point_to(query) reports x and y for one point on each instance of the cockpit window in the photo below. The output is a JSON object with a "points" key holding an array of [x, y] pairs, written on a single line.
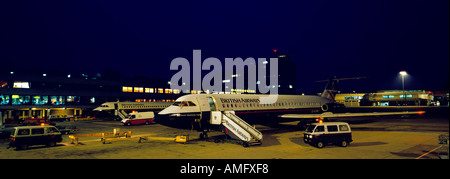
{"points": [[184, 103]]}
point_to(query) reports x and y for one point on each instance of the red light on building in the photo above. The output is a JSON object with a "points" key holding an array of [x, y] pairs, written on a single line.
{"points": [[274, 50]]}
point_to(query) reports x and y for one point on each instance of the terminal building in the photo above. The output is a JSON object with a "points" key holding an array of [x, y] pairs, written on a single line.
{"points": [[387, 98], [38, 94]]}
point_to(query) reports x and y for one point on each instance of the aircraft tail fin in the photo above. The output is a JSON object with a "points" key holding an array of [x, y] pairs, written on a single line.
{"points": [[331, 89], [332, 86]]}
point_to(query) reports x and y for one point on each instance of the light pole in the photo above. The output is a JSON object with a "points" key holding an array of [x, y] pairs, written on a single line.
{"points": [[403, 73]]}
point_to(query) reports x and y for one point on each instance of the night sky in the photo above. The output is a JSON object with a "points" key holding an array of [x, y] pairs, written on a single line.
{"points": [[376, 39]]}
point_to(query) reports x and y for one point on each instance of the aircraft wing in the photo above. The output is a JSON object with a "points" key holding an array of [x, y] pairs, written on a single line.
{"points": [[336, 115]]}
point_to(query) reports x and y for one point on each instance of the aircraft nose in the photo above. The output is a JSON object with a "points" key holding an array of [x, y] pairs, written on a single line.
{"points": [[163, 116], [164, 112], [173, 120]]}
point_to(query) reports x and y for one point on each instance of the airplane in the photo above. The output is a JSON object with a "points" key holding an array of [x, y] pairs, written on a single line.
{"points": [[196, 111], [122, 109], [132, 106]]}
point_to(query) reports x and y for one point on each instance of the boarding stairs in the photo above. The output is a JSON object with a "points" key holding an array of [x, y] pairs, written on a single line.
{"points": [[122, 114], [237, 128]]}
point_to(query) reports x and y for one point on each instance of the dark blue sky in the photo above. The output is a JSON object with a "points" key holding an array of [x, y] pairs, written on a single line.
{"points": [[376, 39]]}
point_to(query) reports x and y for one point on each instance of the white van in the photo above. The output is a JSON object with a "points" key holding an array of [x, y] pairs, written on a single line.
{"points": [[24, 136], [320, 134], [139, 118]]}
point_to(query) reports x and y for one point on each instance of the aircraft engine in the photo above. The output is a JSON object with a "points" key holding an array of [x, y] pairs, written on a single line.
{"points": [[332, 107]]}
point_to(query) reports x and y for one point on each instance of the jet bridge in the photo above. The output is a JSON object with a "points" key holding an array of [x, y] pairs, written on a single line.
{"points": [[236, 128]]}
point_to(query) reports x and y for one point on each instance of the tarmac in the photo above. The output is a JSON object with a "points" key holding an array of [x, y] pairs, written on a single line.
{"points": [[374, 138]]}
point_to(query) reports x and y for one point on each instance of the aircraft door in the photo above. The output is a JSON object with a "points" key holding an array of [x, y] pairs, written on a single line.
{"points": [[116, 107], [212, 105], [215, 116]]}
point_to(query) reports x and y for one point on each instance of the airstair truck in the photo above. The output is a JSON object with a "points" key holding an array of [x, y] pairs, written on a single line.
{"points": [[237, 128]]}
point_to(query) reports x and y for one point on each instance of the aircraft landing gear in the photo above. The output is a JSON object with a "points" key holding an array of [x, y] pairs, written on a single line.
{"points": [[203, 135]]}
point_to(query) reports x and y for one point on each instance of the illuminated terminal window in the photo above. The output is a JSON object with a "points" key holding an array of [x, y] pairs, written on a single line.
{"points": [[160, 90], [193, 92], [73, 99], [168, 91], [176, 91], [57, 100], [70, 99], [4, 99], [407, 96], [138, 89], [149, 90], [19, 99], [39, 100], [21, 85], [360, 97], [388, 96], [127, 89]]}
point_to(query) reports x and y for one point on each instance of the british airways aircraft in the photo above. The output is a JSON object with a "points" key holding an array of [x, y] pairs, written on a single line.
{"points": [[194, 111]]}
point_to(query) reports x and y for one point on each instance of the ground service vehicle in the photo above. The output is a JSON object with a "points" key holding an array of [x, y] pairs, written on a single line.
{"points": [[22, 137], [323, 133], [139, 118], [59, 118], [36, 122]]}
